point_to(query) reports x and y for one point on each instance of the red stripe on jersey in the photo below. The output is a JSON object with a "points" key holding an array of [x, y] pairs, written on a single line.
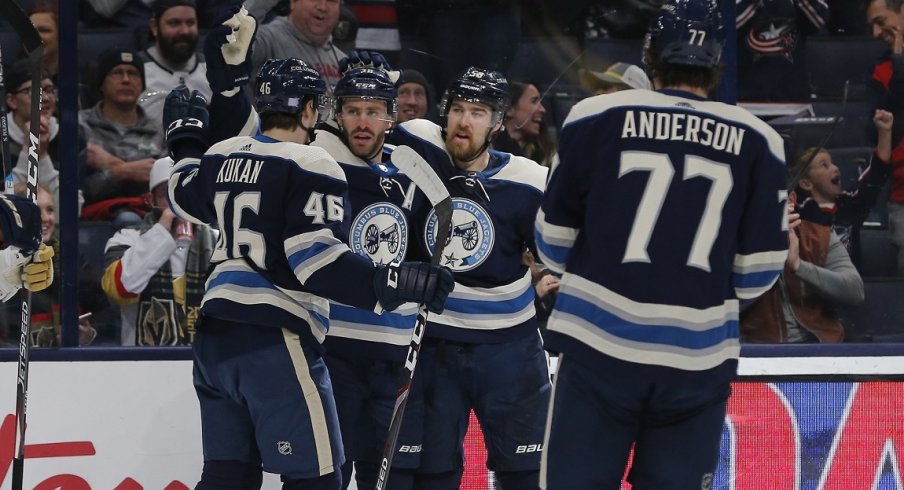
{"points": [[117, 279]]}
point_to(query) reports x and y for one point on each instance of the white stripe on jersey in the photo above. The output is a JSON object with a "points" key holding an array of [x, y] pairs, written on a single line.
{"points": [[650, 100], [484, 321], [319, 427], [758, 262], [299, 244], [524, 171], [643, 352], [694, 319], [370, 333]]}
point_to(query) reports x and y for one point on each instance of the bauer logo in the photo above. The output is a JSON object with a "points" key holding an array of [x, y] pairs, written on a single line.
{"points": [[284, 448], [405, 448], [380, 232], [470, 239], [529, 448]]}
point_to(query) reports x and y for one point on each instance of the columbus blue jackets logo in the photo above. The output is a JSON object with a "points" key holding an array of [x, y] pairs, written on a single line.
{"points": [[380, 232], [470, 240]]}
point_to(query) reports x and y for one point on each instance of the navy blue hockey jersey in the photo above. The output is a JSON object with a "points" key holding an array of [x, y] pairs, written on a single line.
{"points": [[282, 251], [662, 211], [492, 224], [382, 201]]}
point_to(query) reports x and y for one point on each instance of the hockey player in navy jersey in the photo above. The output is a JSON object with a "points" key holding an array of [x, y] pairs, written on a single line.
{"points": [[484, 352], [366, 352], [264, 390], [663, 212]]}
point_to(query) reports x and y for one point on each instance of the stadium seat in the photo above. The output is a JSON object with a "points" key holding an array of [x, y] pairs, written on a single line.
{"points": [[834, 59], [873, 253], [881, 317]]}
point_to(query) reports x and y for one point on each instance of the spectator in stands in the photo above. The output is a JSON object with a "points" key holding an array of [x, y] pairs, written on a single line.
{"points": [[819, 275], [156, 271], [43, 15], [414, 95], [18, 101], [103, 14], [305, 33], [885, 90], [618, 76], [122, 142], [172, 59], [526, 133], [771, 38]]}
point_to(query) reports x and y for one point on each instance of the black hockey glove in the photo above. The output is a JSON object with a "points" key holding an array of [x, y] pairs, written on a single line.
{"points": [[186, 120], [20, 220], [227, 50], [368, 59], [415, 282]]}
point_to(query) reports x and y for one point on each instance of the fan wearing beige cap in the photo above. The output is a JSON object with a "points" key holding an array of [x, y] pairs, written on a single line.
{"points": [[619, 76], [156, 271]]}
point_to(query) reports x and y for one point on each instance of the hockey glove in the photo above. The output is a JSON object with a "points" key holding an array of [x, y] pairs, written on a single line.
{"points": [[186, 120], [20, 220], [415, 282], [227, 50], [368, 59], [37, 274]]}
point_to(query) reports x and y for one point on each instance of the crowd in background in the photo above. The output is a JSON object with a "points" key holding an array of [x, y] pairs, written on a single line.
{"points": [[133, 296]]}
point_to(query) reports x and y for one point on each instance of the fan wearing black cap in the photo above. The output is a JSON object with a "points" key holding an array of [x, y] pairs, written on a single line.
{"points": [[123, 141], [172, 59]]}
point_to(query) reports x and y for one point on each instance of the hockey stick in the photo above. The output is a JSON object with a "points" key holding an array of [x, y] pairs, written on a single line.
{"points": [[420, 172], [31, 41]]}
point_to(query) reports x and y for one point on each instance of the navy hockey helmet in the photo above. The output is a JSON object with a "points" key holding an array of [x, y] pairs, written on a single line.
{"points": [[687, 32], [481, 86], [367, 83], [283, 84]]}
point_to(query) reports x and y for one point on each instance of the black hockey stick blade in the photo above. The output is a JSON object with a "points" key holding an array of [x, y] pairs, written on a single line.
{"points": [[420, 172], [31, 41]]}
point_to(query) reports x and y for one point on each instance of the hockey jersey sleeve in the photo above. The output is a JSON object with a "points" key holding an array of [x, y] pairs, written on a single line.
{"points": [[763, 229], [561, 212], [132, 259], [184, 191], [315, 242]]}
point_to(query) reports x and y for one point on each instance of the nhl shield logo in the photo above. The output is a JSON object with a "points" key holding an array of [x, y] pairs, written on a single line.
{"points": [[380, 232], [470, 240], [284, 448], [706, 483]]}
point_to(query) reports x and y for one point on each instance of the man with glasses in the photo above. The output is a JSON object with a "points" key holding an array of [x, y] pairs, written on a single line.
{"points": [[18, 101], [123, 142]]}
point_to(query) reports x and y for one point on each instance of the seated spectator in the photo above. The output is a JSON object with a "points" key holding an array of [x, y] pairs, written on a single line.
{"points": [[43, 15], [172, 59], [156, 271], [414, 95], [122, 142], [18, 101], [619, 76], [819, 275], [526, 132], [45, 305]]}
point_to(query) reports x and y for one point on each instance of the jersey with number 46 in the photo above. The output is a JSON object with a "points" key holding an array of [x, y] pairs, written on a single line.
{"points": [[282, 248], [663, 211]]}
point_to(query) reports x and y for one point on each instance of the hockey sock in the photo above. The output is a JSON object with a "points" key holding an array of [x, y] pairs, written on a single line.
{"points": [[333, 481], [518, 480], [225, 475]]}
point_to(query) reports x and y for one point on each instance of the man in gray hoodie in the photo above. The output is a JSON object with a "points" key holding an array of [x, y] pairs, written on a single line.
{"points": [[305, 33]]}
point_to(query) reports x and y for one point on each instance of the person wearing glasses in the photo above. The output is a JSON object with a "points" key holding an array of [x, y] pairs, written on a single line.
{"points": [[18, 103], [123, 142]]}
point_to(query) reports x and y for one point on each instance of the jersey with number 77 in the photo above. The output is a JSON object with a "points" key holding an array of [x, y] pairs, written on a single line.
{"points": [[281, 252], [663, 211]]}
